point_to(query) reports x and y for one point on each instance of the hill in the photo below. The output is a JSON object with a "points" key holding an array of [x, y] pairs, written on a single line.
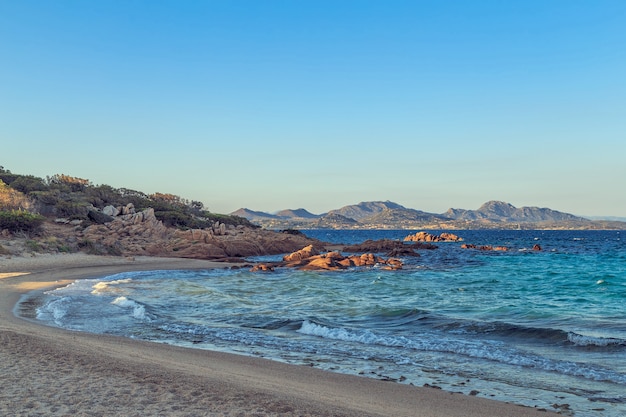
{"points": [[297, 214], [390, 215], [69, 214], [365, 209], [499, 211]]}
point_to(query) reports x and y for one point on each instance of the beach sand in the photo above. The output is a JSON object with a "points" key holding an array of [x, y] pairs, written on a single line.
{"points": [[52, 372]]}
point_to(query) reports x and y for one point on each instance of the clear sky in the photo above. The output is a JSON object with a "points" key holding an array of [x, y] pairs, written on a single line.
{"points": [[319, 104]]}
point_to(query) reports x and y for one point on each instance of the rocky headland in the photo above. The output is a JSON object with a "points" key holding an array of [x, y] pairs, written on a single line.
{"points": [[139, 233]]}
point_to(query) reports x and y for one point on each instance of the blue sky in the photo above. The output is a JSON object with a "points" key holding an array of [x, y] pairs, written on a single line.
{"points": [[319, 104]]}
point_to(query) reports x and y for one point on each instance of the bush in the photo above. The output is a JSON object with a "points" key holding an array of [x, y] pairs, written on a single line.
{"points": [[28, 183], [173, 218], [20, 221], [11, 199], [228, 219], [34, 246], [71, 209]]}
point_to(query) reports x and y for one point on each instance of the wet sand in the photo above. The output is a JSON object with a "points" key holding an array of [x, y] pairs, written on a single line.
{"points": [[52, 372]]}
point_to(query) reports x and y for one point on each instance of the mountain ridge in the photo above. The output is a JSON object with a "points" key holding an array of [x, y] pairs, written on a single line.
{"points": [[492, 214]]}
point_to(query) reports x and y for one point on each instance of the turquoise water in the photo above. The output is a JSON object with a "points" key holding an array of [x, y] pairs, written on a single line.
{"points": [[545, 329]]}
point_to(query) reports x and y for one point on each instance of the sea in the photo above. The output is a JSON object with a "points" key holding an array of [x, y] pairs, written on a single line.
{"points": [[544, 329]]}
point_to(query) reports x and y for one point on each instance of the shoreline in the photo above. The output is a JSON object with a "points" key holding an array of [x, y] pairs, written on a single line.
{"points": [[89, 374]]}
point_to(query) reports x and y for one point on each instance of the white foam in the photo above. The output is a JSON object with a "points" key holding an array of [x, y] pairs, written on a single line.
{"points": [[581, 340], [105, 286], [55, 310], [138, 310]]}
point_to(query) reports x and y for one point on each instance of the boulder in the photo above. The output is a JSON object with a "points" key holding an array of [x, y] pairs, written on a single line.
{"points": [[110, 211], [127, 209], [98, 217], [428, 237], [301, 254], [309, 260], [402, 252]]}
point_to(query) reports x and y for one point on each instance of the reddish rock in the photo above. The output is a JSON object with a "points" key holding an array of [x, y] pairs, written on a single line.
{"points": [[262, 267], [141, 233], [334, 261], [301, 254], [428, 237]]}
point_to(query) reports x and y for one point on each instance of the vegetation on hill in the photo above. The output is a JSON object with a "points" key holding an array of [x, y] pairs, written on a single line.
{"points": [[26, 201]]}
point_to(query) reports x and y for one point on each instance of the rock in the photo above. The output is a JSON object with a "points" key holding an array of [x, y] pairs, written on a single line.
{"points": [[303, 253], [536, 247], [449, 237], [219, 229], [262, 267], [321, 262], [127, 209], [402, 252], [428, 237], [98, 217], [110, 211], [307, 259], [142, 234]]}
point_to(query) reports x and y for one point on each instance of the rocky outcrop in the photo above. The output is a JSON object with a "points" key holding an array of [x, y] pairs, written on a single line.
{"points": [[141, 233], [304, 253], [428, 237], [133, 234], [308, 259]]}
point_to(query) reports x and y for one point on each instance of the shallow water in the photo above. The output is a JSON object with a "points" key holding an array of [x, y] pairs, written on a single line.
{"points": [[545, 329]]}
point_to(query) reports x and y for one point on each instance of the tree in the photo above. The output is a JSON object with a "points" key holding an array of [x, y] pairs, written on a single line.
{"points": [[73, 183]]}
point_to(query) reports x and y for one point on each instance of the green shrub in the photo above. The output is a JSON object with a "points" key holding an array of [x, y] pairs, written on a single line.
{"points": [[72, 209], [20, 221], [90, 247], [173, 218], [28, 183], [228, 219], [33, 246]]}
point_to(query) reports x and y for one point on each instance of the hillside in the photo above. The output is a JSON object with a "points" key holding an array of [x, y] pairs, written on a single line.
{"points": [[69, 214]]}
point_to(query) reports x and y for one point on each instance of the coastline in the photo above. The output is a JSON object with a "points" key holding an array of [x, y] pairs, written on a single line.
{"points": [[89, 374]]}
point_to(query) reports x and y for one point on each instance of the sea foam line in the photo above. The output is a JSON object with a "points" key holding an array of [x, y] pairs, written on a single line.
{"points": [[489, 350]]}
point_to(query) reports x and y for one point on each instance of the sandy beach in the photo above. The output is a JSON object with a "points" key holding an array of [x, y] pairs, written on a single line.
{"points": [[51, 372]]}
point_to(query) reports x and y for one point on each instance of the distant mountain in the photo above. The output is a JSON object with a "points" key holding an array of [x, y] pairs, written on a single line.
{"points": [[402, 215], [334, 221], [390, 215], [297, 214], [499, 211], [365, 209], [253, 215]]}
